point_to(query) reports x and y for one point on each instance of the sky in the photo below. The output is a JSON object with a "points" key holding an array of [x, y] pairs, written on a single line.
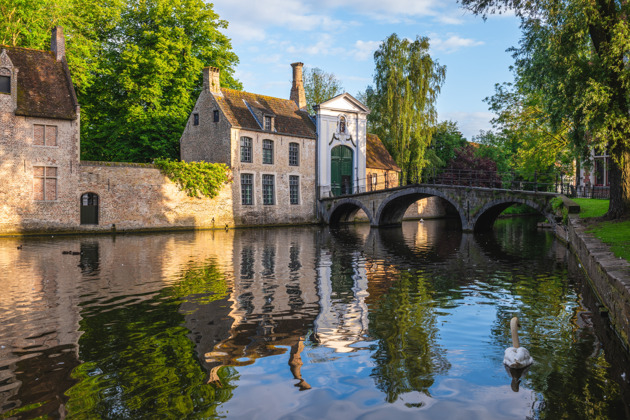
{"points": [[340, 37]]}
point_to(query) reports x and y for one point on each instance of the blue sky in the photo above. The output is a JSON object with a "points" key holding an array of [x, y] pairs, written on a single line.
{"points": [[341, 36]]}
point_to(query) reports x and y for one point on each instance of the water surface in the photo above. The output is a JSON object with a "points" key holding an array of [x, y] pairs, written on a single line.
{"points": [[303, 323]]}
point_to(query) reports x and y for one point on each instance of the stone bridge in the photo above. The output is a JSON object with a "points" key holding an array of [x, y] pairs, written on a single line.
{"points": [[476, 207]]}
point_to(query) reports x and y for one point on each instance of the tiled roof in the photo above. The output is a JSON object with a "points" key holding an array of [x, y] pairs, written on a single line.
{"points": [[44, 88], [288, 118], [377, 155]]}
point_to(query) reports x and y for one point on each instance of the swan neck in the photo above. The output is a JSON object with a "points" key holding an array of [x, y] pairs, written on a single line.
{"points": [[514, 330]]}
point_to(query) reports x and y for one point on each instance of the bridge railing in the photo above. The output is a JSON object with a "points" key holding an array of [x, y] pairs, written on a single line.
{"points": [[538, 182]]}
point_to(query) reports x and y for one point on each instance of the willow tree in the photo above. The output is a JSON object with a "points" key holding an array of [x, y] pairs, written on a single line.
{"points": [[574, 52], [407, 83]]}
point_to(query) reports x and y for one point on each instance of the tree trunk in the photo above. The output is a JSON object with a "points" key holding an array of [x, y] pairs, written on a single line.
{"points": [[619, 182]]}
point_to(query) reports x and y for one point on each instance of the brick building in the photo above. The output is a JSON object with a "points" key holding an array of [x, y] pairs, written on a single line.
{"points": [[269, 143], [39, 137], [282, 159]]}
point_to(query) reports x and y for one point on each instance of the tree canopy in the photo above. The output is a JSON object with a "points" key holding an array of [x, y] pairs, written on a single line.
{"points": [[320, 86], [407, 82], [136, 64], [149, 77], [446, 139], [572, 62]]}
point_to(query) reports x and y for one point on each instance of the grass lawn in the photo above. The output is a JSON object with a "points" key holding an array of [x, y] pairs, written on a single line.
{"points": [[615, 234]]}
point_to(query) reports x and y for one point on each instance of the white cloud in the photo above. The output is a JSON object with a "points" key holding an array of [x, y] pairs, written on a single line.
{"points": [[388, 10], [364, 49], [452, 43], [249, 20], [325, 45]]}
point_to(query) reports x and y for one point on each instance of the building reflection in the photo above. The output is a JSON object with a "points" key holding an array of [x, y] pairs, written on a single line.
{"points": [[304, 295]]}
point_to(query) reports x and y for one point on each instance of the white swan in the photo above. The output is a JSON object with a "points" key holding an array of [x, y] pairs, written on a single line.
{"points": [[516, 357]]}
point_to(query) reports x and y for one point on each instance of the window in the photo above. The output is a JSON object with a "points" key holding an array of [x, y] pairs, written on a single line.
{"points": [[294, 154], [5, 84], [195, 119], [294, 189], [267, 151], [247, 189], [602, 171], [268, 123], [246, 149], [44, 135], [373, 182], [216, 115], [268, 193], [44, 183], [342, 124]]}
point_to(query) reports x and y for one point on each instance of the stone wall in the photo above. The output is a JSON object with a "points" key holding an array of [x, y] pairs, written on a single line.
{"points": [[428, 208], [136, 197], [609, 276]]}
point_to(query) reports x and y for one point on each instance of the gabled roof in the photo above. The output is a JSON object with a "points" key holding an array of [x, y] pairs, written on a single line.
{"points": [[344, 101], [377, 155], [242, 109], [44, 87]]}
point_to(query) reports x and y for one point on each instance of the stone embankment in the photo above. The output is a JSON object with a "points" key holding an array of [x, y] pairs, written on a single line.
{"points": [[609, 275]]}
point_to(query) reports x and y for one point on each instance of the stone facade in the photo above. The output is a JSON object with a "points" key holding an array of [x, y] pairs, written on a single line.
{"points": [[220, 120], [39, 140]]}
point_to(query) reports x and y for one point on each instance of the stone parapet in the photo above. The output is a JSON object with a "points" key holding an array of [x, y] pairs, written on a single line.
{"points": [[609, 275]]}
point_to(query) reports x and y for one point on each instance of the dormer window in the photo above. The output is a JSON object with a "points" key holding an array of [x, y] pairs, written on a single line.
{"points": [[5, 84], [342, 124], [268, 123]]}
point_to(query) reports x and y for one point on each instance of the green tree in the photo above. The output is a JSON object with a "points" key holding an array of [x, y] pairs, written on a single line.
{"points": [[407, 83], [527, 133], [149, 76], [446, 139], [320, 86], [28, 23], [574, 52]]}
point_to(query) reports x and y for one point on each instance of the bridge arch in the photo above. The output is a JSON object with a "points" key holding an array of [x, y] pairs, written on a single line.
{"points": [[345, 209], [484, 219], [392, 209]]}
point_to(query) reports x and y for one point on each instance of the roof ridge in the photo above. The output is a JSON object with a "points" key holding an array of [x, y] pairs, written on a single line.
{"points": [[24, 48], [257, 94]]}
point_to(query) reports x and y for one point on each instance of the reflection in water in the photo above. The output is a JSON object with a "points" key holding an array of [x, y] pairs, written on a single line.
{"points": [[408, 322]]}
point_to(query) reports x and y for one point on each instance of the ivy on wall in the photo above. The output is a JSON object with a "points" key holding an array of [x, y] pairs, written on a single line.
{"points": [[196, 178]]}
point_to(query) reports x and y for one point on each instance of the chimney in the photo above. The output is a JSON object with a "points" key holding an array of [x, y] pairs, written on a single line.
{"points": [[211, 79], [297, 89], [58, 43]]}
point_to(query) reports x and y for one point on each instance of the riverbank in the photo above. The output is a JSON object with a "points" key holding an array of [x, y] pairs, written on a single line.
{"points": [[608, 274]]}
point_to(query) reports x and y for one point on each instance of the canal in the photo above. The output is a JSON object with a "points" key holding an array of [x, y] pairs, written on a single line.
{"points": [[308, 323]]}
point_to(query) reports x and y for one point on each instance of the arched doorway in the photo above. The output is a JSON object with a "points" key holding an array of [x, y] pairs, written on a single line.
{"points": [[341, 165], [89, 209]]}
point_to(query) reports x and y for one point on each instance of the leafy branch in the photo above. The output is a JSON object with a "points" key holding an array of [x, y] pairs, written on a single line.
{"points": [[196, 178]]}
